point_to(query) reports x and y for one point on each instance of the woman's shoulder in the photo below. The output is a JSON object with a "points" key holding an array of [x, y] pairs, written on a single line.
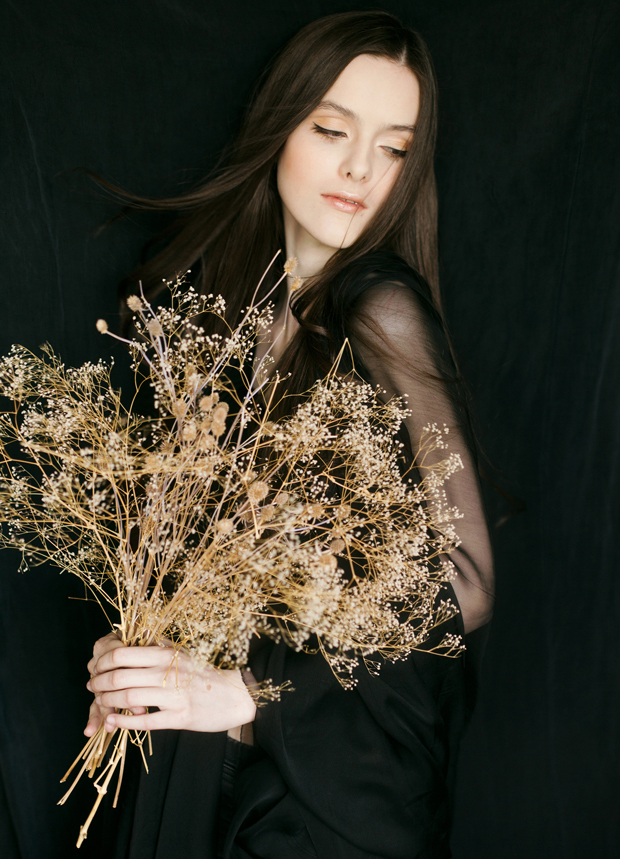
{"points": [[382, 277], [383, 269]]}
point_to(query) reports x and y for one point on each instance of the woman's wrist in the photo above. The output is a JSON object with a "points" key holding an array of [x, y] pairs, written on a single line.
{"points": [[245, 733]]}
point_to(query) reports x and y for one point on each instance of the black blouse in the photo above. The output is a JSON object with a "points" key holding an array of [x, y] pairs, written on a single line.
{"points": [[336, 774]]}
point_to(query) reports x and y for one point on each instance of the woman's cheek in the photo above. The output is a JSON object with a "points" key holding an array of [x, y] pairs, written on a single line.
{"points": [[300, 169]]}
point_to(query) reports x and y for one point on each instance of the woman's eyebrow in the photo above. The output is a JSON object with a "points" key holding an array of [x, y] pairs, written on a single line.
{"points": [[350, 114]]}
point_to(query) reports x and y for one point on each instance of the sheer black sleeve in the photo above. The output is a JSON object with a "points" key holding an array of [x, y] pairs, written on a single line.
{"points": [[400, 344]]}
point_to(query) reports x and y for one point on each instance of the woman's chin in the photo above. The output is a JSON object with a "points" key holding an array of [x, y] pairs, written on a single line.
{"points": [[337, 237]]}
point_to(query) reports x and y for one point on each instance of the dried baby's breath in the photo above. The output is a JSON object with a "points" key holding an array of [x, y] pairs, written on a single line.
{"points": [[212, 522]]}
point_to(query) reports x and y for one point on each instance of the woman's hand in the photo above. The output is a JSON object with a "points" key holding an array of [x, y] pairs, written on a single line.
{"points": [[97, 713], [189, 697]]}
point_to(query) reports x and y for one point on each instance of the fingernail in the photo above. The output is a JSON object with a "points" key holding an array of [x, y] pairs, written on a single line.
{"points": [[89, 687]]}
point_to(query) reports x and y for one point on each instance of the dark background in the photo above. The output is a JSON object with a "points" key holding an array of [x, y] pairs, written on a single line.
{"points": [[145, 92]]}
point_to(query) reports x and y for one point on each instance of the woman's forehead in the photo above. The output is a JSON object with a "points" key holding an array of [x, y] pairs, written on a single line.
{"points": [[375, 91]]}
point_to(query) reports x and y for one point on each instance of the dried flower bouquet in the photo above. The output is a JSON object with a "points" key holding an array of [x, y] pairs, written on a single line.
{"points": [[210, 522]]}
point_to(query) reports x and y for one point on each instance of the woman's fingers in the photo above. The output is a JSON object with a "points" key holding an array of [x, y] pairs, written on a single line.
{"points": [[125, 678], [135, 657], [96, 715], [132, 699], [164, 719], [94, 720], [108, 642], [103, 645]]}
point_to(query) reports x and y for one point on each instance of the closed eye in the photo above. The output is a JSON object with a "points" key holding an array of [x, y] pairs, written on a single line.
{"points": [[395, 153], [328, 132]]}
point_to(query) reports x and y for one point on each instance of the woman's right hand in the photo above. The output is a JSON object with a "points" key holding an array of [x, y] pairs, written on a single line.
{"points": [[97, 713], [200, 698]]}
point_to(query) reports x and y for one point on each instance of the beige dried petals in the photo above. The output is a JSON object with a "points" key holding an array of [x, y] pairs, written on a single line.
{"points": [[102, 326], [189, 432], [245, 513], [192, 378], [207, 402], [329, 561], [225, 526], [152, 462], [337, 546], [153, 326], [267, 513], [220, 412], [257, 491], [218, 425], [290, 265], [205, 467], [179, 409], [134, 303], [218, 428], [206, 441]]}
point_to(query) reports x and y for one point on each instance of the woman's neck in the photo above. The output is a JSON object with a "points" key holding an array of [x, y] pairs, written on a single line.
{"points": [[310, 254]]}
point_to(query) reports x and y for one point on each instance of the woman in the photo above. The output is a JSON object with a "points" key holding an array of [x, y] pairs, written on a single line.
{"points": [[334, 164]]}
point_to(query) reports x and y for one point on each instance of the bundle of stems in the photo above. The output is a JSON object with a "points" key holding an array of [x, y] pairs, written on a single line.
{"points": [[209, 522]]}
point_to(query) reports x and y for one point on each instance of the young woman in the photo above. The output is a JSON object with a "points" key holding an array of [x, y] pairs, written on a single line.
{"points": [[334, 165]]}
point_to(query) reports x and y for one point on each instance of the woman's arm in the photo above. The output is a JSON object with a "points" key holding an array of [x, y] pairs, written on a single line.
{"points": [[402, 347], [188, 697]]}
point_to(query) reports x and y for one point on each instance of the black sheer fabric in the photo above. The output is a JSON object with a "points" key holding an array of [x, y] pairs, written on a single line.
{"points": [[400, 344], [338, 774]]}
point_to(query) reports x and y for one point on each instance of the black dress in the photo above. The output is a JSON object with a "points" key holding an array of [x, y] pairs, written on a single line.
{"points": [[338, 774]]}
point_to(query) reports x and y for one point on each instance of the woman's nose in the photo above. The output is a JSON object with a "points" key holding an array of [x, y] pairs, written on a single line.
{"points": [[356, 165]]}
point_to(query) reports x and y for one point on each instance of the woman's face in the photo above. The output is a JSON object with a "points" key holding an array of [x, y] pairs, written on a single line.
{"points": [[339, 164]]}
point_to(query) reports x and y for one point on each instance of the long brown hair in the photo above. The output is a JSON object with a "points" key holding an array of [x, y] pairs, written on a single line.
{"points": [[231, 225]]}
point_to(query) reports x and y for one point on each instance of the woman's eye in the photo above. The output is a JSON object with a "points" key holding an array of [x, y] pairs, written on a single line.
{"points": [[328, 132], [331, 133], [395, 153]]}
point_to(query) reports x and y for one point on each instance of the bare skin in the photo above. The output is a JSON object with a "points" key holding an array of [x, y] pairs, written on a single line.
{"points": [[340, 163], [350, 146], [188, 698]]}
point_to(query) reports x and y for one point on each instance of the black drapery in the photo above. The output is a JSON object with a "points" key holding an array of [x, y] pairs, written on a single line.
{"points": [[145, 92]]}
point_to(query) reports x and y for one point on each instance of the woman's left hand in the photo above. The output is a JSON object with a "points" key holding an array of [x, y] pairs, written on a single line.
{"points": [[189, 697]]}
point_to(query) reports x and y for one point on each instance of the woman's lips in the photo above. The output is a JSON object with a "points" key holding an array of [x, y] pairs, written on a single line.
{"points": [[345, 204]]}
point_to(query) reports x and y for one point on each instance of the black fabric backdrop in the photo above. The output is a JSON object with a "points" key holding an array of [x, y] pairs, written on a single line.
{"points": [[145, 92]]}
